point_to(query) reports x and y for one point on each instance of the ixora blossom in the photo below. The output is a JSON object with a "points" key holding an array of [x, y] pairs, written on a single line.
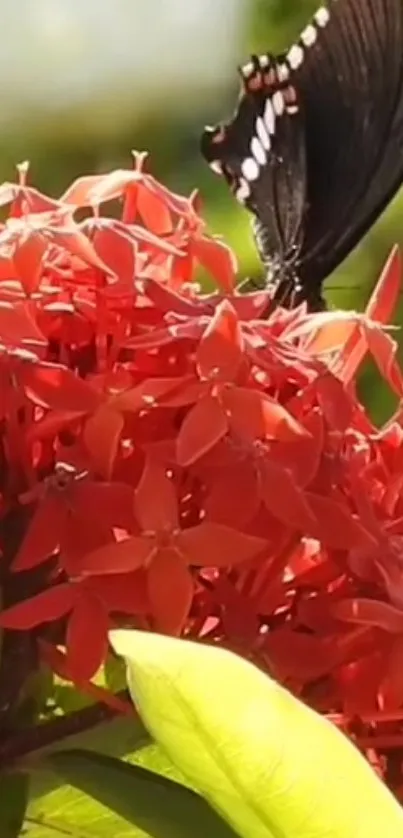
{"points": [[173, 459]]}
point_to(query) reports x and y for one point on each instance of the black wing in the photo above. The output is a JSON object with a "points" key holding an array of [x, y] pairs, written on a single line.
{"points": [[347, 73], [261, 153], [350, 81]]}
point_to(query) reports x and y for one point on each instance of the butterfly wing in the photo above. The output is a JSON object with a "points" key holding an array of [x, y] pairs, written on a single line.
{"points": [[261, 153], [347, 72], [350, 81]]}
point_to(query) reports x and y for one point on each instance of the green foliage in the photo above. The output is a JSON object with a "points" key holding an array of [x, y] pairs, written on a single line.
{"points": [[13, 803], [268, 764], [57, 810], [161, 807]]}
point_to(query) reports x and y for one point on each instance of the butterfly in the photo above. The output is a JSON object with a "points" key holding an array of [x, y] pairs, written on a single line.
{"points": [[315, 147]]}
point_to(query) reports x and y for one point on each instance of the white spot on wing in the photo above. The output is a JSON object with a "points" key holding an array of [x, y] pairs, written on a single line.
{"points": [[309, 35], [295, 56], [264, 61], [283, 72], [243, 191], [248, 69], [263, 134], [258, 151], [250, 169], [278, 103], [322, 16], [268, 117], [216, 166]]}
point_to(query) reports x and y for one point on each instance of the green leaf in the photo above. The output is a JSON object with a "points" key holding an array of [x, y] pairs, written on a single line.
{"points": [[266, 762], [59, 811], [161, 807], [65, 812], [13, 802]]}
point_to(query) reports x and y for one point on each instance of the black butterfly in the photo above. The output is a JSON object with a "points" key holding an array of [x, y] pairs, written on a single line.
{"points": [[315, 148]]}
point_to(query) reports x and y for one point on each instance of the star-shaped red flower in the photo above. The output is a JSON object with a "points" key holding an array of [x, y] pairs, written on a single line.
{"points": [[168, 551]]}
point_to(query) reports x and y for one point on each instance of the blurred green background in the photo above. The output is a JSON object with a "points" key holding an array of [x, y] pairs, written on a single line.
{"points": [[84, 82]]}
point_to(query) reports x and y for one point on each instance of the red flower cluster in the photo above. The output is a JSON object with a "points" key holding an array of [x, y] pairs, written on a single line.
{"points": [[185, 464]]}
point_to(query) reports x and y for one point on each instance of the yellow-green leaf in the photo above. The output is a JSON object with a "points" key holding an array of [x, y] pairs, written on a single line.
{"points": [[266, 762]]}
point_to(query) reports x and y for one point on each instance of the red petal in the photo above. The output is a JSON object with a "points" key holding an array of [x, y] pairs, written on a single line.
{"points": [[215, 545], [390, 692], [282, 496], [202, 428], [87, 637], [77, 244], [50, 385], [125, 592], [336, 404], [383, 349], [326, 332], [359, 684], [303, 456], [27, 257], [118, 252], [51, 425], [33, 200], [101, 436], [156, 504], [220, 350], [170, 590], [43, 608], [80, 192], [44, 533], [218, 259], [153, 211], [119, 557], [298, 655], [335, 525], [239, 618], [113, 502], [315, 613], [386, 292], [17, 324], [166, 300], [166, 336], [106, 187], [370, 612], [82, 537], [252, 415], [177, 203], [152, 244], [251, 306], [151, 392], [187, 395], [232, 495], [7, 267], [182, 269]]}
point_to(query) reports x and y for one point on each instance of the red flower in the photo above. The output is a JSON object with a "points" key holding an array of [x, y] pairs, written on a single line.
{"points": [[87, 603], [186, 462], [73, 514], [167, 551]]}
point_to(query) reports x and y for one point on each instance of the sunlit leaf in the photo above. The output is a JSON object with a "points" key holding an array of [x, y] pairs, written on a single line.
{"points": [[271, 766]]}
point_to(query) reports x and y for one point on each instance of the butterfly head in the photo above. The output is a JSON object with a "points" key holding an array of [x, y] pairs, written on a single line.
{"points": [[213, 145], [224, 156]]}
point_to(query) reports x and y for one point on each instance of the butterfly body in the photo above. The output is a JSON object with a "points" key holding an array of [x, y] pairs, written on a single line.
{"points": [[315, 147]]}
